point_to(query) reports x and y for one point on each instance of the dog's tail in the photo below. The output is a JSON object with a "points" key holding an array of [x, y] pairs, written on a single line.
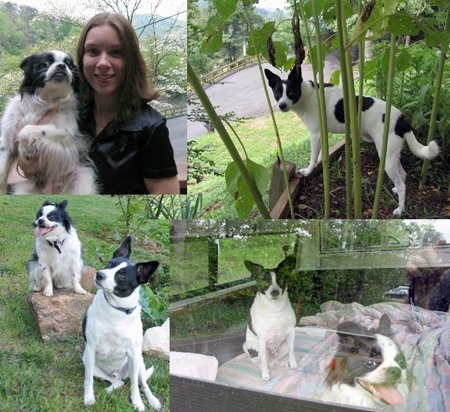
{"points": [[149, 373], [423, 152]]}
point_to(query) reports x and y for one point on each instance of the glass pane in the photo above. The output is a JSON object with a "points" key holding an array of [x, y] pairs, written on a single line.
{"points": [[365, 302]]}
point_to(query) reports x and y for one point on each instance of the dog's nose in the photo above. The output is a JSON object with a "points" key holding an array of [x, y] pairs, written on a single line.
{"points": [[282, 106], [100, 276], [61, 66], [275, 293]]}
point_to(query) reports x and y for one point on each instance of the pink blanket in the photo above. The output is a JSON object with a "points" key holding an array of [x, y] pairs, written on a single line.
{"points": [[424, 337]]}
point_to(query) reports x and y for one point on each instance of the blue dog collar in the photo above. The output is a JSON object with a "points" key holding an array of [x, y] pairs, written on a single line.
{"points": [[124, 310]]}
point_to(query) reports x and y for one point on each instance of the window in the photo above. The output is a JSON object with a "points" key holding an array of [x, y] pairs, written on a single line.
{"points": [[367, 278]]}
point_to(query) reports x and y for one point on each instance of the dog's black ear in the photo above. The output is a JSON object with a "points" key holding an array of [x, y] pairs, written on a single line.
{"points": [[27, 63], [63, 204], [76, 79], [145, 271], [384, 328], [124, 250], [47, 203], [349, 331], [296, 75], [287, 266], [254, 269], [271, 77]]}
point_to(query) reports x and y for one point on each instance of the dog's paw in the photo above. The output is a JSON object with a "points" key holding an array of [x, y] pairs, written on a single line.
{"points": [[138, 405], [265, 376], [28, 139], [89, 399], [78, 289], [155, 403], [398, 211], [48, 291], [305, 171], [293, 365]]}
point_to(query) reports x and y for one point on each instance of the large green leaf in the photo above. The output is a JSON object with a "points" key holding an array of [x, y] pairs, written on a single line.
{"points": [[212, 40], [401, 23], [258, 41], [404, 60], [280, 54], [226, 8], [374, 19], [243, 199]]}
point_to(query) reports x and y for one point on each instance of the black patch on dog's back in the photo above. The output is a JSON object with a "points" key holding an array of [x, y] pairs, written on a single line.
{"points": [[339, 108], [402, 126]]}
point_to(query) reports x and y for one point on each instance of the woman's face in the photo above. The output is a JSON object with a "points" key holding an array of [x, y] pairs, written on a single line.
{"points": [[103, 60]]}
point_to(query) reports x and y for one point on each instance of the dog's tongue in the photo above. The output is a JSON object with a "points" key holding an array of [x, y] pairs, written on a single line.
{"points": [[41, 231], [389, 394]]}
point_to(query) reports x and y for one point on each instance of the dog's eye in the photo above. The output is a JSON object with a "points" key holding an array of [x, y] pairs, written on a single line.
{"points": [[44, 65], [371, 364], [121, 276]]}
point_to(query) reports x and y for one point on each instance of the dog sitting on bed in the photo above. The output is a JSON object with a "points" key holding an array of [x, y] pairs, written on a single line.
{"points": [[270, 333], [368, 370]]}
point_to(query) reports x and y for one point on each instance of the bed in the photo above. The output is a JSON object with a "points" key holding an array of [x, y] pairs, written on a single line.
{"points": [[424, 337]]}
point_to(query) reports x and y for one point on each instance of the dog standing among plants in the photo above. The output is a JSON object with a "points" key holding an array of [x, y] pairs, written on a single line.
{"points": [[299, 96]]}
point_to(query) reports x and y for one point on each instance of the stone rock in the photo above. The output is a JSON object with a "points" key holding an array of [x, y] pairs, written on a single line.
{"points": [[61, 315], [157, 340], [87, 279]]}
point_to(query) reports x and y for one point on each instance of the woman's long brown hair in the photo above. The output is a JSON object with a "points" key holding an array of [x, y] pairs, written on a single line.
{"points": [[135, 88]]}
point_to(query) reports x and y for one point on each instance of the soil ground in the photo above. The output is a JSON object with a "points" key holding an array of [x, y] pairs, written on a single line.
{"points": [[433, 202]]}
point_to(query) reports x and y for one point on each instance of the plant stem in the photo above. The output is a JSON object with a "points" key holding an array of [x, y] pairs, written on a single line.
{"points": [[220, 128], [352, 145], [320, 97], [387, 120], [272, 115], [434, 110]]}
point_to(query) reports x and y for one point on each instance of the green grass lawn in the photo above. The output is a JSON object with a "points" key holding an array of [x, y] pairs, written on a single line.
{"points": [[259, 139], [48, 376]]}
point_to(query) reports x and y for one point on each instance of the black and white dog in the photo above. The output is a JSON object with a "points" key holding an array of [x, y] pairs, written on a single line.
{"points": [[57, 257], [47, 95], [270, 333], [368, 370], [112, 329], [299, 96]]}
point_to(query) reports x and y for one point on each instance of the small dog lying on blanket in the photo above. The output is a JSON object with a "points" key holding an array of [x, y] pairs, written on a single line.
{"points": [[369, 369], [270, 333]]}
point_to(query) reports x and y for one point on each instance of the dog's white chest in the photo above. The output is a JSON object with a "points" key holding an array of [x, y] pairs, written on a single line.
{"points": [[110, 345], [273, 320]]}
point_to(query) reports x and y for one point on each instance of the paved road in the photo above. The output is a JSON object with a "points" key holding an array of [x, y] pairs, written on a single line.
{"points": [[177, 132], [243, 93]]}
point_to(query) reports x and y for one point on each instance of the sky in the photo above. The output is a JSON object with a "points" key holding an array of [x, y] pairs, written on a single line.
{"points": [[167, 8], [76, 7], [443, 226], [272, 4]]}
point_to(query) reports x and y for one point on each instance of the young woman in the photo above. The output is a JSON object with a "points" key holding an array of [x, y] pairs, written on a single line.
{"points": [[130, 144]]}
